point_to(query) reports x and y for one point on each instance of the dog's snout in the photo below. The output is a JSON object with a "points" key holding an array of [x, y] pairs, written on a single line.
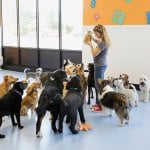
{"points": [[142, 83]]}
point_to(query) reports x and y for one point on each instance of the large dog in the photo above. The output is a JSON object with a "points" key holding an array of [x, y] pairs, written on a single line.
{"points": [[83, 81], [144, 85], [72, 103], [91, 82], [6, 84], [48, 99], [112, 100], [10, 104], [30, 99]]}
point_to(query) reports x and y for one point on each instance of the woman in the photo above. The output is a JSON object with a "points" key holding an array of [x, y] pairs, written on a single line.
{"points": [[99, 55]]}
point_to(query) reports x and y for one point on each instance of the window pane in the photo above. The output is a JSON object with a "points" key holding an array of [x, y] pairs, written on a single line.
{"points": [[9, 23], [27, 14], [72, 24], [48, 24]]}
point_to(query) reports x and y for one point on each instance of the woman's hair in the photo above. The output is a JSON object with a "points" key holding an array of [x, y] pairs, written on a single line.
{"points": [[101, 29]]}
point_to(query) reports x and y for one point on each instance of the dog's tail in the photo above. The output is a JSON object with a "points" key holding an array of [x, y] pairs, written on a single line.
{"points": [[26, 70], [133, 87]]}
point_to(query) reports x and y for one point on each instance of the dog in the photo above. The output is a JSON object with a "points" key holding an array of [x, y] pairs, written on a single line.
{"points": [[48, 100], [144, 85], [115, 101], [45, 76], [83, 81], [31, 98], [35, 75], [131, 94], [72, 103], [125, 79], [91, 83], [6, 84], [69, 68], [10, 104]]}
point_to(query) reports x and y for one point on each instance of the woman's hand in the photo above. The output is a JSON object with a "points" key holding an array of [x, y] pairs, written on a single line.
{"points": [[88, 43]]}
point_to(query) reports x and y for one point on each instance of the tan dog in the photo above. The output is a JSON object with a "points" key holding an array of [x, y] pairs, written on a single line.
{"points": [[6, 84], [80, 72], [31, 98]]}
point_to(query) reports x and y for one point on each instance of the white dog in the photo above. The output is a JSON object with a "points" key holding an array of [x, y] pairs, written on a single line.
{"points": [[131, 94], [144, 85]]}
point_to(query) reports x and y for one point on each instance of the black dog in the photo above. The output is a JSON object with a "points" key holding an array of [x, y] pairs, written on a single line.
{"points": [[72, 103], [91, 83], [10, 104], [48, 99]]}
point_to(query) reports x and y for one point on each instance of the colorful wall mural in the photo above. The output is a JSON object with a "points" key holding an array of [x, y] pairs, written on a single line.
{"points": [[116, 12]]}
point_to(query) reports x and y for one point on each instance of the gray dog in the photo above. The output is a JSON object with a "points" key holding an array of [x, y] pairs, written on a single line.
{"points": [[35, 75]]}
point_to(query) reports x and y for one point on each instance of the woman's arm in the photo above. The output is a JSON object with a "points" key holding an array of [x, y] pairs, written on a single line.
{"points": [[95, 51], [96, 40]]}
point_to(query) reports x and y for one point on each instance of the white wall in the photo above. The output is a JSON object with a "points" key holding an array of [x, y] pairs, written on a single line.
{"points": [[129, 52]]}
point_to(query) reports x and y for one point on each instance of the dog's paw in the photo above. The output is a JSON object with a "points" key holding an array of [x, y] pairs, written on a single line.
{"points": [[88, 103], [60, 131], [39, 135], [20, 127], [127, 122], [14, 124], [74, 132], [2, 136], [55, 130], [121, 125]]}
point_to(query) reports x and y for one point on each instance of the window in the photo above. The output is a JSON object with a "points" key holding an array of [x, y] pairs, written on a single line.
{"points": [[27, 16], [72, 24], [48, 25], [9, 22]]}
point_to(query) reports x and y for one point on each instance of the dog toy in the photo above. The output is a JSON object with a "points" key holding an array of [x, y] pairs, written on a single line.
{"points": [[84, 126], [88, 37]]}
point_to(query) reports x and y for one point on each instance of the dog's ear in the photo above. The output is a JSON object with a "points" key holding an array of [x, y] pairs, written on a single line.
{"points": [[6, 77]]}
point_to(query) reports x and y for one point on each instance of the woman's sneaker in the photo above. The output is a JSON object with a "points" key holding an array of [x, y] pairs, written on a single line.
{"points": [[94, 105], [97, 109]]}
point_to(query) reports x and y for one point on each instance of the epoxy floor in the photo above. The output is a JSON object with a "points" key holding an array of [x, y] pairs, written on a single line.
{"points": [[105, 134]]}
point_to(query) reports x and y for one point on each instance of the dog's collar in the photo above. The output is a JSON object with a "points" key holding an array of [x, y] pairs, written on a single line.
{"points": [[74, 89], [18, 92]]}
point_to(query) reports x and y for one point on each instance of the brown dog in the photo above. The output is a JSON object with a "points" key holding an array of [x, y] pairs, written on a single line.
{"points": [[31, 98], [125, 79], [6, 84], [83, 80]]}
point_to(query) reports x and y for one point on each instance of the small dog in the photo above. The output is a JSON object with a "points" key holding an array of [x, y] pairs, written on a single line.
{"points": [[125, 79], [48, 100], [131, 94], [31, 99], [10, 104], [144, 85], [70, 104], [6, 84], [91, 82], [115, 101], [35, 75], [83, 81]]}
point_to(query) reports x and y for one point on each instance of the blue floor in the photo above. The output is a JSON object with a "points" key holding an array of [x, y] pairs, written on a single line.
{"points": [[105, 134]]}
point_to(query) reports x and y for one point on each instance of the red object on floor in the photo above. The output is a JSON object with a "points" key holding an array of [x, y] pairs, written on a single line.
{"points": [[97, 109], [95, 105]]}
